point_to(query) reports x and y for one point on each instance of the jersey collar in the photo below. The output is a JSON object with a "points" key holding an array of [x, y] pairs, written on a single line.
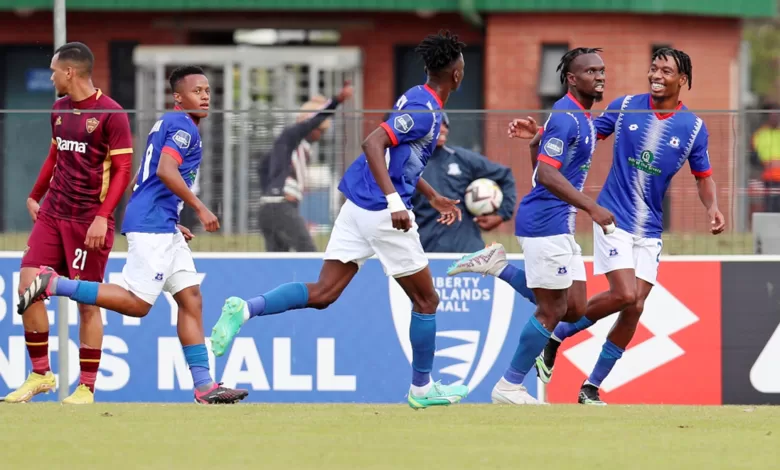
{"points": [[667, 115], [89, 101], [579, 105], [433, 93]]}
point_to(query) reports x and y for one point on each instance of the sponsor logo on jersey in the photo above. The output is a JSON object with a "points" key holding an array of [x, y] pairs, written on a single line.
{"points": [[182, 139], [554, 147], [403, 123], [645, 163], [71, 146]]}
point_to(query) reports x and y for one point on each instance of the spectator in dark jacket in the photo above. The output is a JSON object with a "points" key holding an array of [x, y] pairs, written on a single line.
{"points": [[450, 170], [283, 176]]}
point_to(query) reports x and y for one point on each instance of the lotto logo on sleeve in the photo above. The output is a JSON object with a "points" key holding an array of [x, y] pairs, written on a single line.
{"points": [[553, 147], [403, 123], [675, 355], [182, 139]]}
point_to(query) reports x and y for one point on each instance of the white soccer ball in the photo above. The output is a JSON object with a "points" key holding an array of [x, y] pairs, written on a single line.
{"points": [[483, 196]]}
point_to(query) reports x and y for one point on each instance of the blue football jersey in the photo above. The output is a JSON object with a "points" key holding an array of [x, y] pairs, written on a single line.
{"points": [[153, 208], [568, 142], [649, 150], [413, 127]]}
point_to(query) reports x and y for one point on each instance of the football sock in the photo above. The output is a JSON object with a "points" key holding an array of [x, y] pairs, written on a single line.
{"points": [[564, 329], [38, 349], [285, 297], [89, 360], [607, 359], [422, 335], [198, 361], [533, 338], [515, 277], [83, 292]]}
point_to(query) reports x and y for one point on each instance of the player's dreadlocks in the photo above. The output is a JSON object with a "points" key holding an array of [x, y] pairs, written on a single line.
{"points": [[683, 61], [183, 71], [440, 50], [569, 57]]}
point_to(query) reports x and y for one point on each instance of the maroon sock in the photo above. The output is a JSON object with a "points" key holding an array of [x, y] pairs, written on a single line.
{"points": [[38, 349], [89, 360]]}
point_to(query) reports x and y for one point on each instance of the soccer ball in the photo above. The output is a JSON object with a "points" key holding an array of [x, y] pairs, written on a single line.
{"points": [[483, 196]]}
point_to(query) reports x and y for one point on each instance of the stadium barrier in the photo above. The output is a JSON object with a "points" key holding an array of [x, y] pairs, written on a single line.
{"points": [[709, 335]]}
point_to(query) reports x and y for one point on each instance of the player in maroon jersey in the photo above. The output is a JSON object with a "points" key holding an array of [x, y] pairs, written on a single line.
{"points": [[85, 174]]}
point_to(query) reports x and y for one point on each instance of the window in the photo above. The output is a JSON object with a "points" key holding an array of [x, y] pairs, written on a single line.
{"points": [[550, 89]]}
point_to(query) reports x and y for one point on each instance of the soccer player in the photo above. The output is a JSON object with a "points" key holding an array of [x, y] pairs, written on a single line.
{"points": [[83, 177], [158, 257], [650, 148], [376, 219], [545, 220]]}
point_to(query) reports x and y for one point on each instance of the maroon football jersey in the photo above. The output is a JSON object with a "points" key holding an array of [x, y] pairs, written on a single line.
{"points": [[87, 138]]}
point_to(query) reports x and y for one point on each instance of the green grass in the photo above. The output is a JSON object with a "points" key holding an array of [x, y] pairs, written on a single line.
{"points": [[562, 437], [674, 243]]}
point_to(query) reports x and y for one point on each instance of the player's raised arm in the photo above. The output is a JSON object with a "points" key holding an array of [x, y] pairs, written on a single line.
{"points": [[605, 124], [699, 160], [557, 138]]}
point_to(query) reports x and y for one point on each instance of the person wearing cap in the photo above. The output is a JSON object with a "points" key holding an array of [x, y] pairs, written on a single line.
{"points": [[283, 175], [450, 170]]}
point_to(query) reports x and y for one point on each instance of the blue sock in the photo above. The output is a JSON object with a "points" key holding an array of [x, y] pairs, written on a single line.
{"points": [[607, 359], [83, 292], [422, 335], [533, 338], [516, 278], [564, 330], [285, 297], [198, 360]]}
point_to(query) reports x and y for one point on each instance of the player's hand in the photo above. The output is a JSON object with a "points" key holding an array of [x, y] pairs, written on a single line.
{"points": [[96, 235], [185, 232], [448, 208], [718, 222], [602, 217], [401, 220], [346, 92], [208, 219], [523, 128], [488, 222], [33, 207]]}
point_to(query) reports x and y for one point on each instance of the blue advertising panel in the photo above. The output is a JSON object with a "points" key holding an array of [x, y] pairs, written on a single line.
{"points": [[355, 351]]}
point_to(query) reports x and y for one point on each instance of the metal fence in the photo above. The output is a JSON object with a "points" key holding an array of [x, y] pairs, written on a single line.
{"points": [[235, 144]]}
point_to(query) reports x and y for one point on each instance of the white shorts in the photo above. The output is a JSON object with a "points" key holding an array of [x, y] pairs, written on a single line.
{"points": [[622, 250], [552, 262], [158, 262], [358, 234]]}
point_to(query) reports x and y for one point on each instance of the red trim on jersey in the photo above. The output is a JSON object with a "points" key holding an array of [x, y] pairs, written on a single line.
{"points": [[702, 174], [601, 136], [430, 90], [549, 160], [667, 115], [579, 105], [45, 175], [173, 153], [390, 132]]}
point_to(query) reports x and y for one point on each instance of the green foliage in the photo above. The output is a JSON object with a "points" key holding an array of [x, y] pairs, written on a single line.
{"points": [[764, 42]]}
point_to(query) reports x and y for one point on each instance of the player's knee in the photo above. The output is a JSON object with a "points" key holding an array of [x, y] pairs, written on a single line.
{"points": [[426, 303], [626, 297]]}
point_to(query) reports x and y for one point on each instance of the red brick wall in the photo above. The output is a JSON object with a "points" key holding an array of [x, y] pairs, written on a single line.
{"points": [[513, 48]]}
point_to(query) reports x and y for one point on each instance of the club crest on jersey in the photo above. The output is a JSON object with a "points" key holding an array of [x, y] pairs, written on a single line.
{"points": [[92, 124], [554, 147], [675, 142], [403, 123], [476, 313], [182, 139]]}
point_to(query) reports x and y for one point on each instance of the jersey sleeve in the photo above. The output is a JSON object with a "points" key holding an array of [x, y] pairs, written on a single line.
{"points": [[409, 124], [605, 124], [120, 138], [699, 158], [179, 139], [559, 132]]}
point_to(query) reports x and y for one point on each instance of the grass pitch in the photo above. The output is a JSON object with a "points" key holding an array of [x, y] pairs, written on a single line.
{"points": [[140, 436]]}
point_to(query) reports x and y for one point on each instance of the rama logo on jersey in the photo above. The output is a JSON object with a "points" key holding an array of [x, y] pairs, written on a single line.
{"points": [[473, 319], [71, 146]]}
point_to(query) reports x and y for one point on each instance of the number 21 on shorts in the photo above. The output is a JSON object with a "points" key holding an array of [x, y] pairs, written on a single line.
{"points": [[80, 260]]}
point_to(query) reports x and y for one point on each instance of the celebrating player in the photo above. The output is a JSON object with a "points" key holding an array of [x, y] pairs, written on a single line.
{"points": [[376, 219], [83, 178], [158, 257], [650, 148], [545, 221]]}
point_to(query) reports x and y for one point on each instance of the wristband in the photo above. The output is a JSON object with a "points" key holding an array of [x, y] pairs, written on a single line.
{"points": [[394, 202]]}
